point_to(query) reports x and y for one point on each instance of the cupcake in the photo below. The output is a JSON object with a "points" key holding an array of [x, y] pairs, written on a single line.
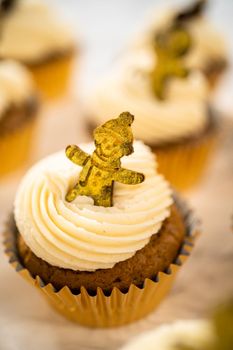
{"points": [[173, 116], [208, 51], [102, 255], [32, 34], [18, 111], [212, 334]]}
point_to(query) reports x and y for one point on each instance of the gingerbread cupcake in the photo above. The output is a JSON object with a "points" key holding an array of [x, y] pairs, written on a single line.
{"points": [[18, 110], [32, 34], [208, 51], [171, 104], [100, 237]]}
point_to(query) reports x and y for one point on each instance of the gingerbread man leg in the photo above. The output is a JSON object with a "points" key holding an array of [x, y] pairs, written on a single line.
{"points": [[105, 197]]}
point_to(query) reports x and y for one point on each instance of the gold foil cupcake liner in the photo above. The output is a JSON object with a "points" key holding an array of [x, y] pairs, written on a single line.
{"points": [[18, 143], [184, 164], [213, 80], [214, 76], [52, 77], [119, 307]]}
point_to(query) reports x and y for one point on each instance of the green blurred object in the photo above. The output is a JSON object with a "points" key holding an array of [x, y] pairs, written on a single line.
{"points": [[222, 321], [113, 140], [170, 45], [223, 326]]}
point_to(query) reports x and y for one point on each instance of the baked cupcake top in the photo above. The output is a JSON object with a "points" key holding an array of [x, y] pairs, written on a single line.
{"points": [[182, 113], [76, 234], [16, 85], [32, 33], [208, 46], [189, 334]]}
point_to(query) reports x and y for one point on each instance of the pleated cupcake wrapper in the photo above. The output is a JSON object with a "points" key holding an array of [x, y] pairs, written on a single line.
{"points": [[184, 164], [52, 77], [214, 78], [119, 307], [213, 81], [15, 147]]}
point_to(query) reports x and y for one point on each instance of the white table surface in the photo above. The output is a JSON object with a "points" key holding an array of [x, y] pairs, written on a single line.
{"points": [[26, 321]]}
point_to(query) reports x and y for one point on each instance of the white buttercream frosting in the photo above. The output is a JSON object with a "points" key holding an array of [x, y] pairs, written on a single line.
{"points": [[79, 235], [181, 114], [16, 84], [208, 44], [188, 333], [31, 32]]}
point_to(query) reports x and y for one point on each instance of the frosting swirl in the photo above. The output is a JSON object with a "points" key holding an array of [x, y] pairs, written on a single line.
{"points": [[181, 114], [16, 84], [32, 33], [79, 235]]}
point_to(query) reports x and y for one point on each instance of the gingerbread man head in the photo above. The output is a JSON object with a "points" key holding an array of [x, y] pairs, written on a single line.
{"points": [[114, 139]]}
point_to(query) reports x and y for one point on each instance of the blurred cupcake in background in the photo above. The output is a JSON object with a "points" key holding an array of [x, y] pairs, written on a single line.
{"points": [[18, 111], [208, 51], [170, 103], [32, 34], [214, 333], [103, 252]]}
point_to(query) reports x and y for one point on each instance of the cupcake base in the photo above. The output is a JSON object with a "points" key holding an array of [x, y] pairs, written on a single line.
{"points": [[117, 307], [17, 128], [52, 75], [184, 162], [214, 72], [15, 148]]}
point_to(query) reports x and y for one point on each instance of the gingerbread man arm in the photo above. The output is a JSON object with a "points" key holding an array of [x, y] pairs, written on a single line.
{"points": [[179, 70], [126, 176], [76, 155]]}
